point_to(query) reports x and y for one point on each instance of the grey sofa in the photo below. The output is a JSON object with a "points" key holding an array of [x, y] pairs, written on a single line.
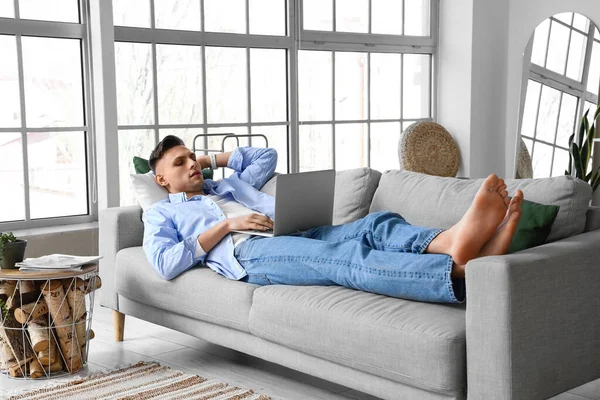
{"points": [[529, 329]]}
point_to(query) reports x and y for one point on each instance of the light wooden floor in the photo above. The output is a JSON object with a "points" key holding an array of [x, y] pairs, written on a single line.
{"points": [[146, 341]]}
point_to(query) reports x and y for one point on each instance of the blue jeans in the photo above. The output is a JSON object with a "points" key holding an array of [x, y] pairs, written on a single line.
{"points": [[380, 253]]}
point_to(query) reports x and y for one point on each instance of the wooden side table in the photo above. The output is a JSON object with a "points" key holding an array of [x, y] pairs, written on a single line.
{"points": [[47, 327]]}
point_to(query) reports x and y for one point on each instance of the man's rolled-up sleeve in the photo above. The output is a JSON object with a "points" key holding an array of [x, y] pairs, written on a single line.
{"points": [[254, 165], [169, 256]]}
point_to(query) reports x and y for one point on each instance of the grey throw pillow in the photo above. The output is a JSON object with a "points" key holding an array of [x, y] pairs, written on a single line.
{"points": [[354, 189]]}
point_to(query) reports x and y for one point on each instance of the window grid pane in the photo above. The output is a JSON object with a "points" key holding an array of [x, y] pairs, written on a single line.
{"points": [[53, 82], [44, 10], [179, 15], [135, 91], [179, 71], [7, 11], [318, 15], [10, 100], [134, 13], [57, 174], [11, 170]]}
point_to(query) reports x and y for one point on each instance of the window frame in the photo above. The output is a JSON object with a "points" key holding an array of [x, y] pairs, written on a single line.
{"points": [[296, 39], [60, 30], [562, 83]]}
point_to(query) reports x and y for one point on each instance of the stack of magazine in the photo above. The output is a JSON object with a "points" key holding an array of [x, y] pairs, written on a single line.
{"points": [[56, 262]]}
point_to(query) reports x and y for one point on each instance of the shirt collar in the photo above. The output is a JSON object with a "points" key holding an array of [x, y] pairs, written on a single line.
{"points": [[177, 197], [181, 197]]}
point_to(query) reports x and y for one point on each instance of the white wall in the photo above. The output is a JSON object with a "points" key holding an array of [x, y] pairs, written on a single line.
{"points": [[454, 74], [472, 76], [524, 17]]}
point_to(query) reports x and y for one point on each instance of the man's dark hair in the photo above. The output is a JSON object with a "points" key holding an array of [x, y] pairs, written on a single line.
{"points": [[161, 148]]}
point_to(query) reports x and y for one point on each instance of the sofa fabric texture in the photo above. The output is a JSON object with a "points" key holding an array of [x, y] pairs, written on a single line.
{"points": [[437, 202], [199, 293], [419, 344]]}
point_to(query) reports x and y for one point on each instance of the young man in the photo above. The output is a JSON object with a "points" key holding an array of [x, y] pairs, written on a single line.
{"points": [[380, 253]]}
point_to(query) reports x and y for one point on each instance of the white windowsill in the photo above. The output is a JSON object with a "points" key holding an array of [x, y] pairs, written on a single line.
{"points": [[24, 233]]}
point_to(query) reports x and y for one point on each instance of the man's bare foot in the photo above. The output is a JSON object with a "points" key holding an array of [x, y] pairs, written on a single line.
{"points": [[464, 241], [500, 241]]}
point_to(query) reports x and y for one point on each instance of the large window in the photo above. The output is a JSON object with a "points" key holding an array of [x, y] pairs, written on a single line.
{"points": [[44, 129], [564, 82], [330, 83]]}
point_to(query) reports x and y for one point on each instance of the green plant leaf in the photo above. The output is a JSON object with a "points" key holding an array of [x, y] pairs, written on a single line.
{"points": [[577, 159], [597, 113], [583, 128]]}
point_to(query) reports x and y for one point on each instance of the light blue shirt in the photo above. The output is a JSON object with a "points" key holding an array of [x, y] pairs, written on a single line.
{"points": [[172, 226]]}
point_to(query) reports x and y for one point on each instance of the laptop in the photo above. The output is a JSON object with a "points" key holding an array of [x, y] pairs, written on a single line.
{"points": [[302, 201]]}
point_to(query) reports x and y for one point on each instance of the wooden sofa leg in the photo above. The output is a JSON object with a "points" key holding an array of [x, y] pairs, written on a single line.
{"points": [[118, 325]]}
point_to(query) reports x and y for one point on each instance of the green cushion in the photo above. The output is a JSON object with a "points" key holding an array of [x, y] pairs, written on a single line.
{"points": [[534, 226], [142, 167]]}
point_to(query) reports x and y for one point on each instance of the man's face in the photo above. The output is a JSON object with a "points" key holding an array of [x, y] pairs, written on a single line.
{"points": [[178, 171]]}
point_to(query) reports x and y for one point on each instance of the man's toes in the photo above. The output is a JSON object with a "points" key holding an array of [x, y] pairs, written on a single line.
{"points": [[504, 193], [507, 201], [491, 182]]}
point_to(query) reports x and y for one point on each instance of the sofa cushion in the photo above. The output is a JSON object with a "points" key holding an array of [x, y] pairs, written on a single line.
{"points": [[199, 292], [436, 202], [354, 189], [419, 344]]}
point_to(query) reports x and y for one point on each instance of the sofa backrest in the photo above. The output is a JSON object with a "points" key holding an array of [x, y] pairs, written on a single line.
{"points": [[437, 202], [592, 221], [354, 189]]}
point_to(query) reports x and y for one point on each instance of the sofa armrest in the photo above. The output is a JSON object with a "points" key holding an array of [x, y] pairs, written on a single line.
{"points": [[119, 228], [533, 320]]}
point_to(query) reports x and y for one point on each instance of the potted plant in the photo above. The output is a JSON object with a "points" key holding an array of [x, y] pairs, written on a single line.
{"points": [[580, 151], [12, 250]]}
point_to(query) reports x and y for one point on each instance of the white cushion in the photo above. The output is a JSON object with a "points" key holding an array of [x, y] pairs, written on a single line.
{"points": [[147, 191]]}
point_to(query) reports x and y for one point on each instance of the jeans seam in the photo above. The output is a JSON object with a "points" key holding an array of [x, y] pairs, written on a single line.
{"points": [[378, 238], [449, 281], [351, 265], [421, 249]]}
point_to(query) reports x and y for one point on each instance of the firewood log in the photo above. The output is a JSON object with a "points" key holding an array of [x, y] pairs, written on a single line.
{"points": [[7, 290], [28, 287], [6, 354], [12, 335], [22, 298], [31, 311], [35, 369], [76, 290], [59, 309], [17, 368], [40, 334], [80, 330], [89, 284]]}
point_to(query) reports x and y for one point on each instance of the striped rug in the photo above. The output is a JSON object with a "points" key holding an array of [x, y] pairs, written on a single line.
{"points": [[144, 380]]}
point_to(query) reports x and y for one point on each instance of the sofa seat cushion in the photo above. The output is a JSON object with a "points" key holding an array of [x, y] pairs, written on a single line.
{"points": [[198, 293], [436, 202], [418, 344]]}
